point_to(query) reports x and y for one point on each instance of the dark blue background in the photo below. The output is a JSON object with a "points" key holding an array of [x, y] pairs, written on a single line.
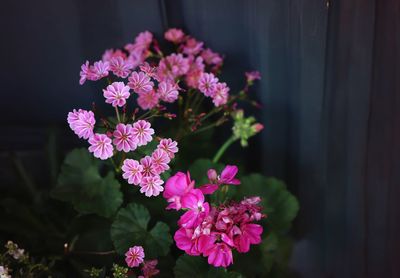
{"points": [[330, 90]]}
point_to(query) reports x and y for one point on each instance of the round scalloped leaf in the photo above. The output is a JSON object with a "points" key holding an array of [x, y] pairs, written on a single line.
{"points": [[131, 228]]}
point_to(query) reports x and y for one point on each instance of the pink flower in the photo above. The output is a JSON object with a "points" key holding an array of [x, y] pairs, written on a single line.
{"points": [[168, 91], [100, 146], [177, 64], [151, 186], [86, 73], [140, 82], [110, 54], [221, 94], [132, 171], [192, 47], [144, 39], [168, 146], [116, 94], [147, 100], [207, 84], [149, 70], [120, 67], [211, 57], [100, 69], [142, 131], [253, 75], [124, 140], [195, 72], [148, 167], [249, 234], [177, 186], [198, 209], [160, 161], [134, 256], [149, 269], [174, 35], [227, 177], [192, 243], [220, 255], [81, 122]]}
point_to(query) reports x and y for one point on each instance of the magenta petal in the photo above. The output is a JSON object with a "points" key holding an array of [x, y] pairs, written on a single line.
{"points": [[208, 188], [229, 173], [212, 174]]}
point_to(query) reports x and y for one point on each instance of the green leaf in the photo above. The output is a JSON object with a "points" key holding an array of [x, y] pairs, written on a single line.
{"points": [[279, 204], [198, 170], [277, 250], [81, 184], [197, 267], [131, 228]]}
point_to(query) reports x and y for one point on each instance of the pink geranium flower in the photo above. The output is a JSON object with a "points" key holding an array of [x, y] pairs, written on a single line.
{"points": [[160, 161], [81, 122], [227, 177], [221, 94], [100, 69], [100, 146], [134, 256], [120, 67], [148, 100], [132, 171], [174, 35], [198, 209], [116, 94], [168, 146], [168, 91], [220, 255], [124, 140], [143, 132], [249, 234], [148, 166], [177, 186], [207, 84], [140, 82], [151, 186]]}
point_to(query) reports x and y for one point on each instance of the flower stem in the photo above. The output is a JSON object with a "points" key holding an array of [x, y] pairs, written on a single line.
{"points": [[117, 113], [223, 148]]}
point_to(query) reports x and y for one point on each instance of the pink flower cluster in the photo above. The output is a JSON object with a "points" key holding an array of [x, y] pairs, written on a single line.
{"points": [[146, 172], [213, 231]]}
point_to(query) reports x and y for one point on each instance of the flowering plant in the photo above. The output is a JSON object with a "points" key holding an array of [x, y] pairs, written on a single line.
{"points": [[143, 189]]}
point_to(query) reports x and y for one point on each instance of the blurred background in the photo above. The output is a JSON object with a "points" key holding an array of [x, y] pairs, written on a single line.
{"points": [[330, 92]]}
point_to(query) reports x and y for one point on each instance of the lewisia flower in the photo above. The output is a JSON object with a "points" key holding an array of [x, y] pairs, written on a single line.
{"points": [[111, 53], [221, 94], [195, 72], [140, 82], [174, 35], [148, 166], [120, 67], [132, 171], [82, 122], [86, 73], [124, 140], [143, 132], [207, 84], [252, 76], [100, 69], [147, 100], [116, 94], [151, 186], [211, 57], [100, 146], [168, 146], [134, 256], [160, 161], [149, 269], [192, 47], [168, 91]]}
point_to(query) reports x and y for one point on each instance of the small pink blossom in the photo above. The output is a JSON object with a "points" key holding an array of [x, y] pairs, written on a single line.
{"points": [[192, 47], [100, 146], [143, 132], [132, 171], [221, 94], [140, 82], [220, 255], [116, 94], [120, 67], [82, 122], [149, 269], [211, 57], [100, 69], [169, 146], [174, 35], [86, 73], [168, 91], [134, 256], [177, 186], [207, 84], [148, 166], [124, 140], [151, 186], [195, 72], [149, 70], [148, 100], [160, 161], [227, 177], [252, 76], [111, 53], [177, 64]]}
